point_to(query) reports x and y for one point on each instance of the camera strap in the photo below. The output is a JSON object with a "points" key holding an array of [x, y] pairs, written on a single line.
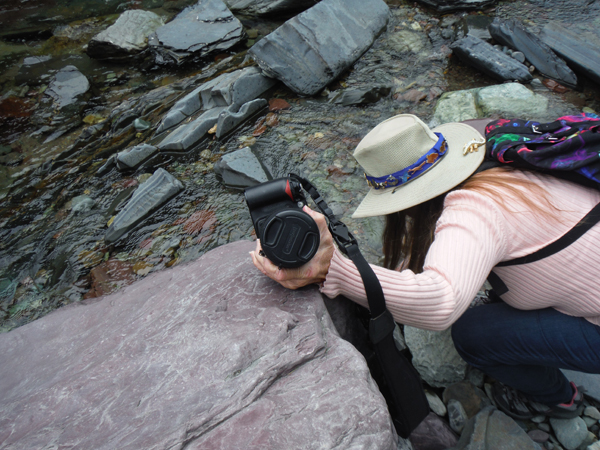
{"points": [[408, 403]]}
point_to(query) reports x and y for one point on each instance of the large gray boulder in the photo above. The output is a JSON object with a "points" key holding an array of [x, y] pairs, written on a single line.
{"points": [[210, 355], [489, 60], [127, 37], [268, 7], [195, 32], [514, 35], [581, 53], [312, 49]]}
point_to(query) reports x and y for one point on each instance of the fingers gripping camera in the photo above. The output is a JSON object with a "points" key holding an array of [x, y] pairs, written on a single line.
{"points": [[288, 236]]}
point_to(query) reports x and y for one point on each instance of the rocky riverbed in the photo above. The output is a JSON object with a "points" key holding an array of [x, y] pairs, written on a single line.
{"points": [[125, 144]]}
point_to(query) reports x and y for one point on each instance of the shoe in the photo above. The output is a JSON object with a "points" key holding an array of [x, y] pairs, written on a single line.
{"points": [[516, 405], [574, 408]]}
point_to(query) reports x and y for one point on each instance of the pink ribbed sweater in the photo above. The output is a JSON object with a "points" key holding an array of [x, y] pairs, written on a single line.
{"points": [[473, 234]]}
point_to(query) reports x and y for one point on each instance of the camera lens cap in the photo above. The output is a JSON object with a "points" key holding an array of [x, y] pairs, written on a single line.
{"points": [[290, 238]]}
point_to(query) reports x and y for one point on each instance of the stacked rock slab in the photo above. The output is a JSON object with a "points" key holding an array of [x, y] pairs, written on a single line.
{"points": [[268, 7], [195, 32], [514, 35], [581, 54], [210, 355], [315, 47], [489, 60], [126, 37]]}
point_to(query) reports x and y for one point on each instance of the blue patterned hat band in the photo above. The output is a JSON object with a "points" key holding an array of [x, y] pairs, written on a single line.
{"points": [[423, 164]]}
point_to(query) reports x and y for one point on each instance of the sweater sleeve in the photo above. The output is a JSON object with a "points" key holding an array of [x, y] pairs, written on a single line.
{"points": [[469, 241]]}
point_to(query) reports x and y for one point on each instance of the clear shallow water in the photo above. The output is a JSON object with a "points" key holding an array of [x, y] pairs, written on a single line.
{"points": [[48, 250]]}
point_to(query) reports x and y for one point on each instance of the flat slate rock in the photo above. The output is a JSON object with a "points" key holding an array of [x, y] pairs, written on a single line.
{"points": [[133, 157], [68, 87], [237, 87], [207, 355], [315, 47], [151, 195], [515, 36], [187, 135], [235, 115], [241, 168], [195, 32], [489, 60], [269, 7], [128, 36], [581, 54]]}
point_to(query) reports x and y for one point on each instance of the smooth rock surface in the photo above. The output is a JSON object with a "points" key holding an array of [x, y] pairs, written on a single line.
{"points": [[133, 157], [195, 32], [234, 115], [155, 192], [581, 53], [571, 433], [268, 7], [208, 355], [434, 356], [516, 36], [237, 87], [489, 60], [67, 87], [126, 37], [315, 47], [189, 134], [492, 429], [241, 168]]}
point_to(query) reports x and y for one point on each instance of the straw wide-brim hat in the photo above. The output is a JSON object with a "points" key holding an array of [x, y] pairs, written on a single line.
{"points": [[398, 144]]}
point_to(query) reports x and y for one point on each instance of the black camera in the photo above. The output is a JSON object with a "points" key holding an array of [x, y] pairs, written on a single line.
{"points": [[289, 237]]}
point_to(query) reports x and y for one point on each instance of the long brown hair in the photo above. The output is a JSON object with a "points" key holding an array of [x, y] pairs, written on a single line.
{"points": [[408, 234]]}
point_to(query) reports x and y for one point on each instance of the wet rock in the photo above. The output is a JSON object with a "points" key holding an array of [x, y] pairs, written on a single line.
{"points": [[234, 115], [514, 35], [474, 25], [195, 32], [126, 37], [278, 104], [134, 157], [315, 47], [109, 277], [456, 5], [241, 168], [571, 433], [159, 189], [189, 357], [233, 88], [68, 87], [455, 106], [433, 434], [434, 356], [489, 60], [358, 96], [581, 54], [189, 134], [82, 203], [268, 7], [493, 429]]}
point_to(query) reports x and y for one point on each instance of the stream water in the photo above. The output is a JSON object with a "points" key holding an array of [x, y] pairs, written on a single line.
{"points": [[52, 248]]}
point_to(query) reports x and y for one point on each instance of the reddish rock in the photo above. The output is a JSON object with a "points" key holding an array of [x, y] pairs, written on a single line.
{"points": [[433, 434], [110, 276], [554, 86], [412, 95], [272, 120], [278, 104], [207, 355]]}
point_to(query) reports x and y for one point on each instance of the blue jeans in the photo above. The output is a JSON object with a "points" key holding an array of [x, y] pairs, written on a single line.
{"points": [[526, 349]]}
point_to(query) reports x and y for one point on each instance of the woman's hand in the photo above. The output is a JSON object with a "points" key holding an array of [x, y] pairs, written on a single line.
{"points": [[313, 271]]}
